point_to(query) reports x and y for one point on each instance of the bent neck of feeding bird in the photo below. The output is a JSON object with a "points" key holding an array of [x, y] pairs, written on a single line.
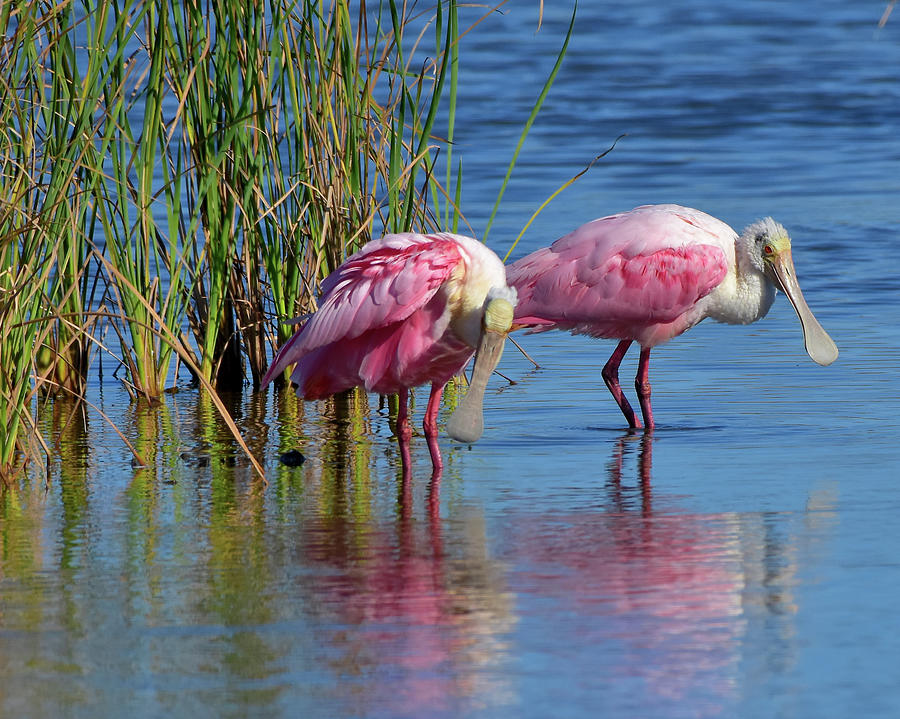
{"points": [[466, 423]]}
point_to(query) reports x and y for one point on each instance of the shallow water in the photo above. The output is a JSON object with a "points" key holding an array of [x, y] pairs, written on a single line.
{"points": [[740, 561]]}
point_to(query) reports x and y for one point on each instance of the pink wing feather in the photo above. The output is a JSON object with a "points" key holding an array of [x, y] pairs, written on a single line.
{"points": [[622, 275], [381, 285]]}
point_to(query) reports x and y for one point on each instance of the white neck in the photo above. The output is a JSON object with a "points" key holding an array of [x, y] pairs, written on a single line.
{"points": [[744, 296]]}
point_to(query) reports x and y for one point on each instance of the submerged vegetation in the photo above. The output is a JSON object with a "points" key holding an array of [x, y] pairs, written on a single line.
{"points": [[177, 177]]}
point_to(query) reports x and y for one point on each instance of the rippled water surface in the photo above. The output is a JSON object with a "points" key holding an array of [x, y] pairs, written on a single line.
{"points": [[741, 561]]}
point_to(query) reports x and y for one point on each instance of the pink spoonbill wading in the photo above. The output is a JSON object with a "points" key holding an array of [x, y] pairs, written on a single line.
{"points": [[405, 310], [648, 275]]}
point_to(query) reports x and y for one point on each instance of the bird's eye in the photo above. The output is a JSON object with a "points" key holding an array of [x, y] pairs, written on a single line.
{"points": [[767, 250]]}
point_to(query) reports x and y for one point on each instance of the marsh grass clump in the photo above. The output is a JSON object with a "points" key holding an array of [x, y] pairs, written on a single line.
{"points": [[176, 178]]}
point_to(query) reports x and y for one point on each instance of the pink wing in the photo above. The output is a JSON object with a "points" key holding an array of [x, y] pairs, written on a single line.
{"points": [[386, 359], [611, 276], [382, 284]]}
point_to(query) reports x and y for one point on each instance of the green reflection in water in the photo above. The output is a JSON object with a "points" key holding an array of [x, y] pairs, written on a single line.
{"points": [[341, 584]]}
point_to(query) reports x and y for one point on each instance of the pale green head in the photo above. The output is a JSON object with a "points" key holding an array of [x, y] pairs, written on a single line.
{"points": [[498, 314]]}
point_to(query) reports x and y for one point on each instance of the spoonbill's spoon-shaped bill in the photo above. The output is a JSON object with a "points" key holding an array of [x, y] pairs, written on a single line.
{"points": [[819, 346]]}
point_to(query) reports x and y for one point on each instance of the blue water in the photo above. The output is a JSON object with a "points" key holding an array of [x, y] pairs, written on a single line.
{"points": [[741, 561]]}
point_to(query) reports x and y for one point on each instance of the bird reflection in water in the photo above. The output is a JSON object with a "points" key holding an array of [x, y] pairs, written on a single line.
{"points": [[419, 610], [412, 609], [644, 598], [644, 466]]}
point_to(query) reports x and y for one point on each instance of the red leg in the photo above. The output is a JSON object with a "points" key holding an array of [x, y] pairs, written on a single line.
{"points": [[404, 431], [610, 374], [642, 385], [431, 428]]}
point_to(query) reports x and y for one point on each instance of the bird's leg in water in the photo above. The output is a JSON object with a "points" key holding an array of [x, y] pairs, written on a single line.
{"points": [[610, 374], [642, 385], [431, 428], [404, 431]]}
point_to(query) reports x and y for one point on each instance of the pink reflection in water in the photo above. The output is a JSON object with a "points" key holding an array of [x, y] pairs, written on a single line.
{"points": [[413, 626], [653, 598], [446, 615]]}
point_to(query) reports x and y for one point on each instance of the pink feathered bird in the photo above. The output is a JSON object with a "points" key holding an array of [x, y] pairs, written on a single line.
{"points": [[405, 310], [648, 275]]}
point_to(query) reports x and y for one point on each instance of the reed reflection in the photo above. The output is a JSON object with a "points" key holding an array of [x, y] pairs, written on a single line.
{"points": [[345, 456]]}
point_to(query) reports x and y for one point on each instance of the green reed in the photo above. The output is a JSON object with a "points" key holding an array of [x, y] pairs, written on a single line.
{"points": [[20, 303], [42, 213], [138, 197]]}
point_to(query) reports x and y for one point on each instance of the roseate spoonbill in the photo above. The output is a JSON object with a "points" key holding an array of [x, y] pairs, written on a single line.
{"points": [[650, 274], [405, 310]]}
